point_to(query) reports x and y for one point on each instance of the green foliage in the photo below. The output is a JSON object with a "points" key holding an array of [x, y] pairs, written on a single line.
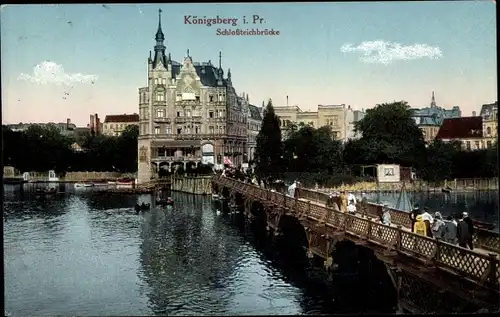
{"points": [[269, 149], [390, 135], [41, 148]]}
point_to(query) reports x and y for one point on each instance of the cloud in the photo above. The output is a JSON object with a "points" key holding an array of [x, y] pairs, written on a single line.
{"points": [[49, 72], [382, 52]]}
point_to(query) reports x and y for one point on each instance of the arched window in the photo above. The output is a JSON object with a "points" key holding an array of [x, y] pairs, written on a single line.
{"points": [[488, 131]]}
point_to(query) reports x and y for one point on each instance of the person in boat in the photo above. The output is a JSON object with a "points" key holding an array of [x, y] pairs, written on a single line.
{"points": [[386, 216], [419, 227], [351, 204], [438, 226], [450, 230], [470, 225], [463, 234]]}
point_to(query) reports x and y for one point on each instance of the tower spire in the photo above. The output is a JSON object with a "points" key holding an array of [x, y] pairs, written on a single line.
{"points": [[159, 47], [220, 60], [433, 100]]}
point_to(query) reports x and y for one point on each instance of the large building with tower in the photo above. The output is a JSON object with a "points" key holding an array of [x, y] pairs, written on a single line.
{"points": [[189, 114]]}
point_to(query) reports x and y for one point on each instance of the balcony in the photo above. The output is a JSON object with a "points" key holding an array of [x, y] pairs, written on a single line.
{"points": [[198, 136], [162, 119], [180, 120], [172, 159]]}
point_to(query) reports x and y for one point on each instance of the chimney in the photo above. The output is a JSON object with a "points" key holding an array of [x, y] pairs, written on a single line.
{"points": [[68, 121], [473, 113]]}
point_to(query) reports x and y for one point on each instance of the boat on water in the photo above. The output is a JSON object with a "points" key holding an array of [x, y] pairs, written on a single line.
{"points": [[165, 202], [446, 189], [83, 185], [483, 224], [125, 181], [47, 190], [142, 207]]}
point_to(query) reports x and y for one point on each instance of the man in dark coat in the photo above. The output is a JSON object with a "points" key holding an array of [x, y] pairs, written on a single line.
{"points": [[470, 225], [463, 234]]}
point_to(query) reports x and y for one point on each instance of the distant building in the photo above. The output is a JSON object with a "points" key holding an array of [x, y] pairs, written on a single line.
{"points": [[340, 118], [114, 125], [254, 123], [76, 147], [467, 130], [65, 128], [489, 113], [429, 119], [95, 124]]}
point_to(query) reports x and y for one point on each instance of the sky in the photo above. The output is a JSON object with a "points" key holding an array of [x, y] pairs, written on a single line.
{"points": [[69, 61]]}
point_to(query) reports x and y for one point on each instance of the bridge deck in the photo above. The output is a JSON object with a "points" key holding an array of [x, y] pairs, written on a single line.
{"points": [[407, 229]]}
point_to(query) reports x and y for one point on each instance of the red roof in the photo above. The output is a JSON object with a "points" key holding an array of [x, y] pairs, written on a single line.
{"points": [[461, 128], [122, 118]]}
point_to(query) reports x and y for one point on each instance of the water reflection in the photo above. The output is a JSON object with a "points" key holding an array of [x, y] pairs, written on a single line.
{"points": [[86, 254]]}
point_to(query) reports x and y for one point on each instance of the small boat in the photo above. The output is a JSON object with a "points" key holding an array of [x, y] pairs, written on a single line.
{"points": [[142, 207], [125, 181], [83, 185], [483, 224], [167, 202], [446, 189], [46, 190], [215, 197]]}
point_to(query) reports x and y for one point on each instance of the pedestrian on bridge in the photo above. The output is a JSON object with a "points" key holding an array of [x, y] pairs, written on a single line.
{"points": [[413, 215], [438, 226], [450, 231], [470, 225], [463, 233], [386, 216]]}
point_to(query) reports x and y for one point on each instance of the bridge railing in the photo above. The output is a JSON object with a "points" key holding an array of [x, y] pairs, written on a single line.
{"points": [[484, 239], [475, 266]]}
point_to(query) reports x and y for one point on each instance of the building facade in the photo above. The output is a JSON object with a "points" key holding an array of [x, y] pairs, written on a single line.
{"points": [[189, 114], [254, 123], [489, 113], [340, 118], [467, 130], [430, 119], [114, 125], [95, 125]]}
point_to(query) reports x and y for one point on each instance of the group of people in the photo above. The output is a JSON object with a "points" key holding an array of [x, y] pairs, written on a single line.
{"points": [[454, 230], [347, 201]]}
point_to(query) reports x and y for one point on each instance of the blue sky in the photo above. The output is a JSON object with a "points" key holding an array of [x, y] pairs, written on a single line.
{"points": [[304, 62]]}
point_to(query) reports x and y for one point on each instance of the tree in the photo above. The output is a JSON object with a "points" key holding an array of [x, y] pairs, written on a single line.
{"points": [[268, 152], [390, 135], [440, 160]]}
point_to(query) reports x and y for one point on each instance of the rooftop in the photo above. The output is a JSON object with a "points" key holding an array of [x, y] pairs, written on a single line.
{"points": [[461, 128], [122, 118]]}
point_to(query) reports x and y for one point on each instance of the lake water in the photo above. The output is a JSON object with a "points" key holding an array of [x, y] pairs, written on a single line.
{"points": [[81, 253]]}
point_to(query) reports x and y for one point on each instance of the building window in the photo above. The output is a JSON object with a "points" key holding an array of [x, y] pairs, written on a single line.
{"points": [[210, 114], [178, 97], [168, 130], [178, 113], [488, 144], [477, 145], [156, 81], [488, 131], [157, 130], [160, 113], [336, 121], [179, 130], [211, 130], [163, 81], [221, 98], [188, 113], [197, 129], [467, 145], [211, 98], [197, 98]]}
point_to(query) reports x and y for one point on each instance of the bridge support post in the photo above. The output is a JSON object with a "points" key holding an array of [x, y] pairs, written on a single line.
{"points": [[396, 278]]}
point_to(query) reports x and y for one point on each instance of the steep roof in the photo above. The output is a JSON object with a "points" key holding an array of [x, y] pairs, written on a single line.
{"points": [[461, 128], [254, 112], [208, 73], [121, 118], [488, 109]]}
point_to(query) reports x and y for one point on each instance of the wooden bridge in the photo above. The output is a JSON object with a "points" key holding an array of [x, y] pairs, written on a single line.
{"points": [[422, 269]]}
